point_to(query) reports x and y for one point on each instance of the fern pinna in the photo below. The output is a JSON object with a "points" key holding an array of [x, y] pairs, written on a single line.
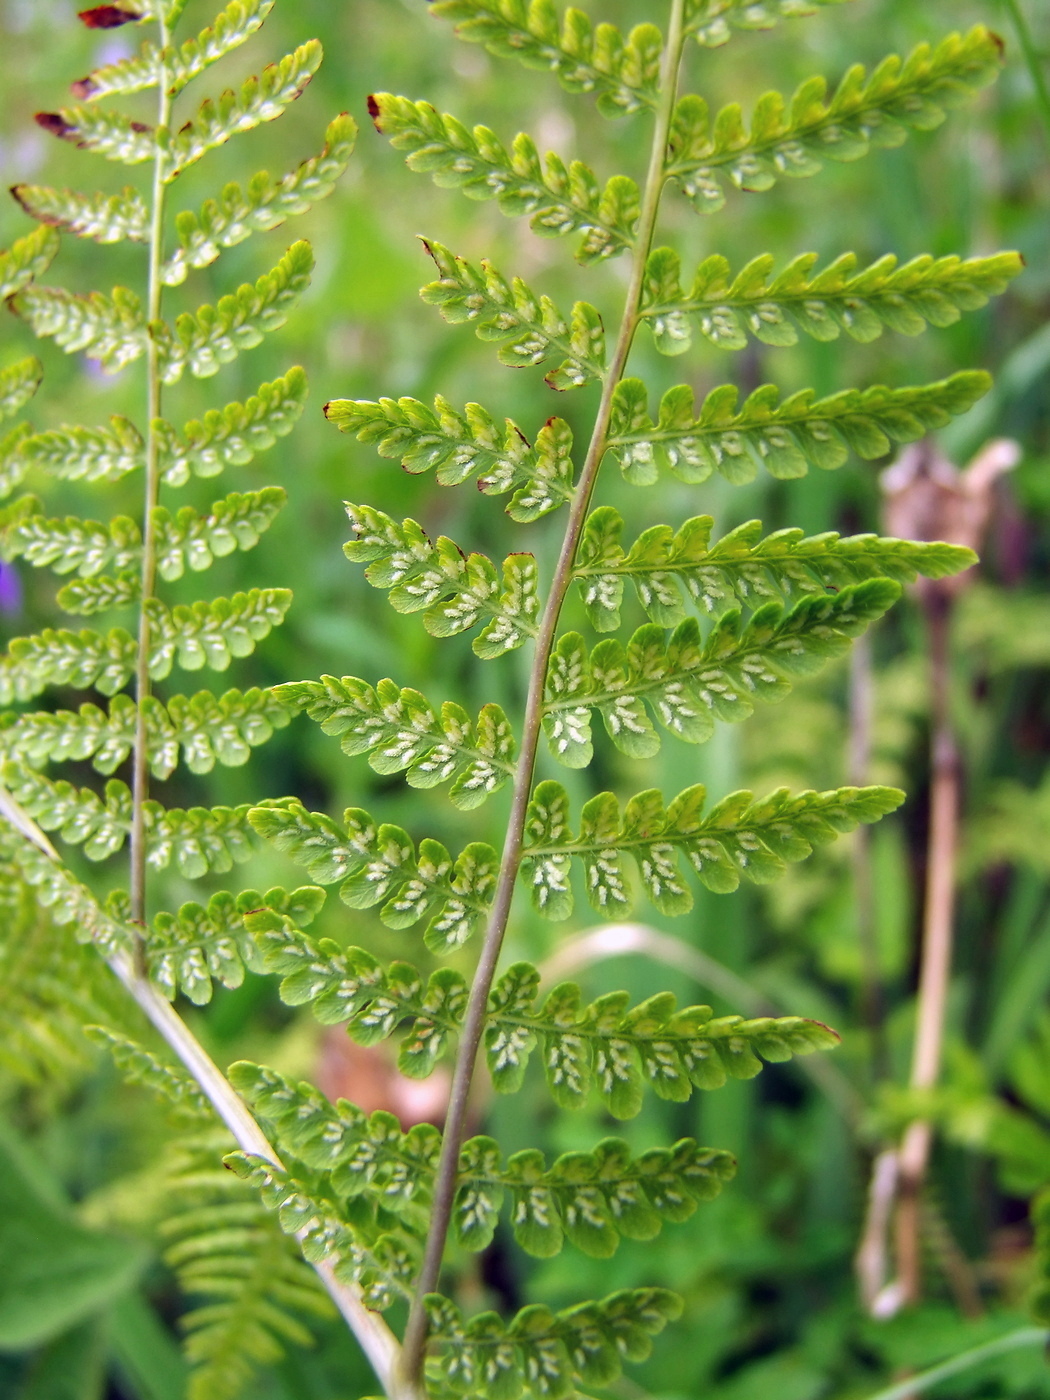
{"points": [[373, 1206]]}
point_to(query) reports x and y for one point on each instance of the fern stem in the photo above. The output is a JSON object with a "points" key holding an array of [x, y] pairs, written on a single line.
{"points": [[1033, 59], [474, 1019], [140, 753]]}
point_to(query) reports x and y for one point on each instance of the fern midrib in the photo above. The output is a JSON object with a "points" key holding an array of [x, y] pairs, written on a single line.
{"points": [[143, 684], [845, 293], [475, 1017]]}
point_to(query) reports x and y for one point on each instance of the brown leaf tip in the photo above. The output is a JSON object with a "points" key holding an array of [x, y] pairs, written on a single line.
{"points": [[108, 17], [373, 111], [56, 123], [83, 88]]}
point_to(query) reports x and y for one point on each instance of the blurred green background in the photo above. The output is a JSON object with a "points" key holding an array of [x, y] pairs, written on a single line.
{"points": [[88, 1306]]}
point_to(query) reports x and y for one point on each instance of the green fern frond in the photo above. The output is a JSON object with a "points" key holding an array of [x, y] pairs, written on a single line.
{"points": [[235, 435], [263, 205], [785, 437], [27, 258], [109, 329], [591, 1198], [400, 732], [204, 729], [378, 864], [556, 200], [85, 597], [62, 657], [87, 454], [689, 681], [713, 21], [501, 311], [18, 383], [729, 310], [67, 900], [738, 839], [140, 1066], [540, 1353], [603, 1046], [189, 951], [453, 591], [794, 139], [468, 444], [204, 341], [624, 73], [104, 218], [260, 99], [109, 134], [740, 567]]}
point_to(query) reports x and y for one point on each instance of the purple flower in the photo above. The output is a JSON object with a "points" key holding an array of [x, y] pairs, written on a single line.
{"points": [[10, 589]]}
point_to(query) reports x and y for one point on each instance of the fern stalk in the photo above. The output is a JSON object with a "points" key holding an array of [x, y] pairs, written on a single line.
{"points": [[474, 1021], [140, 753], [1033, 59]]}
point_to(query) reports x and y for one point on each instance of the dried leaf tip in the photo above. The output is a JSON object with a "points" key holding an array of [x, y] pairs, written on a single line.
{"points": [[108, 17], [373, 111]]}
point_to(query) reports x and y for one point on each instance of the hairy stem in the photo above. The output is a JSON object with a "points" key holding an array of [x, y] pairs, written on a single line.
{"points": [[140, 753], [1033, 59], [474, 1019]]}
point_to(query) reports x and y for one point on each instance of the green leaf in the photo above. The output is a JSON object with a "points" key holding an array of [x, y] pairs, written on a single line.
{"points": [[378, 864], [688, 681], [623, 73], [177, 65], [72, 545], [713, 21], [105, 218], [259, 100], [465, 445], [18, 383], [110, 329], [27, 258], [740, 838], [85, 597], [189, 951], [794, 139], [729, 309], [540, 1352], [213, 336], [203, 730], [669, 569], [234, 435], [501, 311], [140, 1066], [785, 437], [400, 732], [263, 204], [79, 659], [87, 454], [453, 591], [109, 134], [68, 901], [237, 522], [556, 200]]}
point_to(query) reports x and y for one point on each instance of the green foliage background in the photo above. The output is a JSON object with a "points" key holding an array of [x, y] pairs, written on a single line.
{"points": [[765, 1269]]}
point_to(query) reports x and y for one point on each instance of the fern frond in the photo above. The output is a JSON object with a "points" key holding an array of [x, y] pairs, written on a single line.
{"points": [[140, 1066], [453, 591], [786, 437], [13, 465], [603, 1045], [197, 840], [189, 951], [238, 213], [87, 454], [501, 311], [465, 445], [72, 545], [86, 597], [207, 729], [109, 329], [259, 100], [540, 1353], [593, 1198], [105, 218], [18, 383], [400, 732], [237, 522], [557, 200], [27, 258], [180, 64], [738, 839], [740, 567], [204, 341], [227, 1251], [713, 21], [200, 634], [360, 1252], [729, 309], [234, 435], [623, 73], [688, 681], [69, 902], [379, 865], [794, 139], [109, 134]]}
